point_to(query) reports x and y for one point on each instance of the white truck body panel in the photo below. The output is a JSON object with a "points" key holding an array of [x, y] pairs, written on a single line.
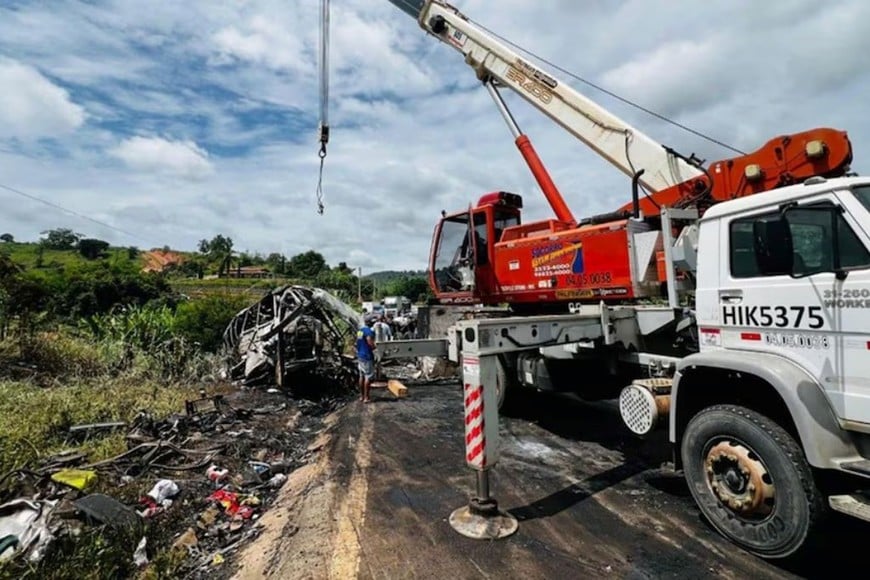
{"points": [[818, 322]]}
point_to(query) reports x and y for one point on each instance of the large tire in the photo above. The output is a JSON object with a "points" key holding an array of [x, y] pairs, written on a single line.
{"points": [[750, 479], [501, 383]]}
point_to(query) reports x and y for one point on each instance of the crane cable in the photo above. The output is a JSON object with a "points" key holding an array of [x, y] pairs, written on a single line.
{"points": [[324, 96]]}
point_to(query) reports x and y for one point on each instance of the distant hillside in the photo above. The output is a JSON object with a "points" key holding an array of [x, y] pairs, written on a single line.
{"points": [[386, 276], [33, 255], [158, 260]]}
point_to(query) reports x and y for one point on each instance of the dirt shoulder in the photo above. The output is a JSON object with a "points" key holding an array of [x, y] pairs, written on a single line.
{"points": [[312, 530]]}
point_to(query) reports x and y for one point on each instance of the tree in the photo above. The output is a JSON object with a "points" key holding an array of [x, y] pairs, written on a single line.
{"points": [[308, 264], [7, 238], [203, 321], [276, 262], [415, 288], [344, 268], [219, 249], [132, 253], [245, 259], [220, 244], [92, 248], [335, 280], [60, 239]]}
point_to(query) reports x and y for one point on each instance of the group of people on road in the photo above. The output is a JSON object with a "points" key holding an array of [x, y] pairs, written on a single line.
{"points": [[374, 331]]}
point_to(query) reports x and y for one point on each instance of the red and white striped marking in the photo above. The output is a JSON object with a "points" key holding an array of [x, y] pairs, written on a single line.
{"points": [[475, 436]]}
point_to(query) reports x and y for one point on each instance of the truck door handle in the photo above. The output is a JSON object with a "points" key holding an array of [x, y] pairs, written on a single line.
{"points": [[731, 296]]}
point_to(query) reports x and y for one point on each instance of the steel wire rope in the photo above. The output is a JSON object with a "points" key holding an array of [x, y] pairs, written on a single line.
{"points": [[72, 212]]}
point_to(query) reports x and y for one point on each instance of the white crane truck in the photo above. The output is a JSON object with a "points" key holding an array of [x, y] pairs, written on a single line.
{"points": [[757, 359]]}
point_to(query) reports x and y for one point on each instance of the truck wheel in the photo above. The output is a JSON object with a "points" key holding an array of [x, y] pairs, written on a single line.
{"points": [[750, 479]]}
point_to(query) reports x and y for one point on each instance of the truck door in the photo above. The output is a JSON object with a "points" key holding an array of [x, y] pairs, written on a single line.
{"points": [[796, 283], [483, 254], [452, 265]]}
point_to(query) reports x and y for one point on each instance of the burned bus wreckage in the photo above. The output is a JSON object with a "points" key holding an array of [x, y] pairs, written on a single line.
{"points": [[289, 330]]}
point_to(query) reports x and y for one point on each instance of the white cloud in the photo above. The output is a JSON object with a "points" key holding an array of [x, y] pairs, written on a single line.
{"points": [[232, 89], [183, 159], [261, 40], [667, 78], [31, 106]]}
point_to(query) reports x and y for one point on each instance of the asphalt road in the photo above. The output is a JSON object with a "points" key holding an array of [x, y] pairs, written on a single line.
{"points": [[590, 499]]}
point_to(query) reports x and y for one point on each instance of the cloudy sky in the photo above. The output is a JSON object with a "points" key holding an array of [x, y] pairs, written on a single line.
{"points": [[176, 121]]}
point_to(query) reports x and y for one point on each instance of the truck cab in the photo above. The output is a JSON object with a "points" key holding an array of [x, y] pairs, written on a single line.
{"points": [[770, 419], [787, 273]]}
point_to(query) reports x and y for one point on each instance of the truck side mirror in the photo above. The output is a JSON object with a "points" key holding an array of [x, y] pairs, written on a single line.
{"points": [[773, 246]]}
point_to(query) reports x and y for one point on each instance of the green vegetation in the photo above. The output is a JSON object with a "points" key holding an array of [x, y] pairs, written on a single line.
{"points": [[88, 336], [35, 420], [202, 322], [31, 255]]}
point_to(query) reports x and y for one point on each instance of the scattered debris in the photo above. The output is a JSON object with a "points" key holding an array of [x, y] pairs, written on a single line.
{"points": [[231, 504], [277, 480], [397, 388], [79, 479], [163, 490], [81, 433], [217, 475], [200, 477], [102, 509], [140, 556], [24, 526], [187, 541], [204, 405]]}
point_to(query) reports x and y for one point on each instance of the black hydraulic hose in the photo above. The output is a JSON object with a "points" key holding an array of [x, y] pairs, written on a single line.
{"points": [[635, 194]]}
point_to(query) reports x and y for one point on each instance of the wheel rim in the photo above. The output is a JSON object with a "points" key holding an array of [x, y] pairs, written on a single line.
{"points": [[739, 479]]}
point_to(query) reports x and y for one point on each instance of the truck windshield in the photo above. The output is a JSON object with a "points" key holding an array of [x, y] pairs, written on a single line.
{"points": [[863, 194], [452, 247]]}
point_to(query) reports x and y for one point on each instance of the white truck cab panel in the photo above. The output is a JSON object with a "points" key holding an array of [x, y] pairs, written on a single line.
{"points": [[814, 312]]}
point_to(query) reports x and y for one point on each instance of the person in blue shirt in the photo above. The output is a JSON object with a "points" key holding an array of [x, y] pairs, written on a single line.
{"points": [[365, 357]]}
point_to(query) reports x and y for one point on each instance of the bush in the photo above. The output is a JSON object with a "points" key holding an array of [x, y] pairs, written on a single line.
{"points": [[64, 356], [203, 321], [34, 421]]}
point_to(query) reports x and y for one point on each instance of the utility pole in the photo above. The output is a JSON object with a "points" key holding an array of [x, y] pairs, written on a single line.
{"points": [[359, 285]]}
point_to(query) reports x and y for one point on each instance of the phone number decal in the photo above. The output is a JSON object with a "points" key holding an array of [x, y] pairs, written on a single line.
{"points": [[797, 340]]}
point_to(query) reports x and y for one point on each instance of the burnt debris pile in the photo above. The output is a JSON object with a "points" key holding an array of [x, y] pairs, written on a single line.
{"points": [[290, 331], [188, 489]]}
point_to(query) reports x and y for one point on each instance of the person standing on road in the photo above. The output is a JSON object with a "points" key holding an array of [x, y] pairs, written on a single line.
{"points": [[365, 358], [383, 333]]}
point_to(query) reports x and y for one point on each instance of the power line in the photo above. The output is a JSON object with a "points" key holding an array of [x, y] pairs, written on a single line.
{"points": [[71, 212], [608, 92]]}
